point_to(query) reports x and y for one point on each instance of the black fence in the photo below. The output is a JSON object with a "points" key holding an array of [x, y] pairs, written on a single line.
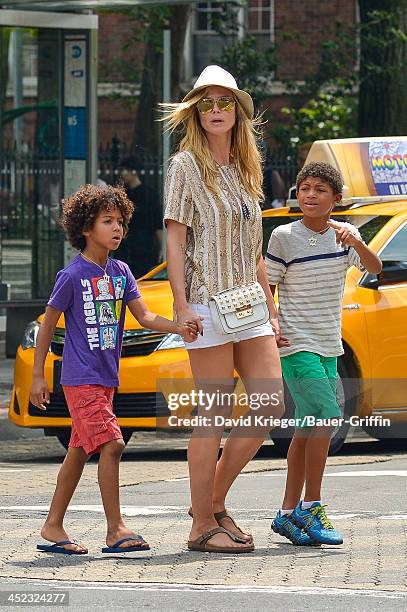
{"points": [[31, 240], [280, 168]]}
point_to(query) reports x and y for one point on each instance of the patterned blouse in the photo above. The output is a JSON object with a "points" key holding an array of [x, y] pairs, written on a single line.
{"points": [[223, 248]]}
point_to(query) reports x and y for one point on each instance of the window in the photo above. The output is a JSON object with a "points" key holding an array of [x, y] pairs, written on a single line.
{"points": [[260, 15], [210, 17], [396, 249]]}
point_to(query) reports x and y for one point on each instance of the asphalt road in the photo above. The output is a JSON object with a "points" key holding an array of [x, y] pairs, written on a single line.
{"points": [[206, 599]]}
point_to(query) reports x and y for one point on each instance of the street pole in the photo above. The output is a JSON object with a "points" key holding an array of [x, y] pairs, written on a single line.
{"points": [[166, 98]]}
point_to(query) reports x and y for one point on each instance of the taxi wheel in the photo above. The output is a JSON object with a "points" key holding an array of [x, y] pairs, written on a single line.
{"points": [[396, 433], [65, 434], [346, 395]]}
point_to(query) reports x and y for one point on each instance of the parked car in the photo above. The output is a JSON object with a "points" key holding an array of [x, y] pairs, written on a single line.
{"points": [[372, 379]]}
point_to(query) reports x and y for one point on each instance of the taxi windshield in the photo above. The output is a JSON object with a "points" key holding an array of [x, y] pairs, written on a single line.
{"points": [[368, 226]]}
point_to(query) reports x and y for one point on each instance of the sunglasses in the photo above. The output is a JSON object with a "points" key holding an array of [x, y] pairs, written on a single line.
{"points": [[225, 103]]}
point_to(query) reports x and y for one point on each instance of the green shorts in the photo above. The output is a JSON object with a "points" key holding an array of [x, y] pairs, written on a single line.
{"points": [[311, 380]]}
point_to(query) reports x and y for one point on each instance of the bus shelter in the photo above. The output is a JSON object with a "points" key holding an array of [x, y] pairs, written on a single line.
{"points": [[48, 140]]}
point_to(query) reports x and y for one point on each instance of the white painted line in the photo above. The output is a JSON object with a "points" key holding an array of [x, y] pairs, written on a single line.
{"points": [[394, 517], [126, 510], [182, 510], [12, 470], [369, 473], [211, 588]]}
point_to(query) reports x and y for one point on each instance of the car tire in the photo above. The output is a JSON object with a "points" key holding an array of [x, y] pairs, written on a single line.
{"points": [[65, 434], [396, 432], [347, 396]]}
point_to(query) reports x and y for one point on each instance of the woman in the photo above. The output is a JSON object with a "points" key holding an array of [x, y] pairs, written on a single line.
{"points": [[214, 242]]}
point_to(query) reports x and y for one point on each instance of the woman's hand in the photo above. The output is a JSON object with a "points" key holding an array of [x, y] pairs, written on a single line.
{"points": [[184, 314], [188, 331]]}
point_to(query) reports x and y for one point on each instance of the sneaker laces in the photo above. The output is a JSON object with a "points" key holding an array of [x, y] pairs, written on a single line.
{"points": [[320, 514]]}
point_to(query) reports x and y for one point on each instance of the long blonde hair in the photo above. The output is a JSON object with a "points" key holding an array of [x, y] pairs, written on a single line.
{"points": [[246, 156]]}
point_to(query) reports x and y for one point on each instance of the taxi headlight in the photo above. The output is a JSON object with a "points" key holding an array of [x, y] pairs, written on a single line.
{"points": [[170, 341], [30, 335]]}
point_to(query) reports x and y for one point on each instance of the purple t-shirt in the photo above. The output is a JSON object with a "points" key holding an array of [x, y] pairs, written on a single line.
{"points": [[94, 312]]}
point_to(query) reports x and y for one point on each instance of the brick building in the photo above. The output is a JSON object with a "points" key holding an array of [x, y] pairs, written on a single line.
{"points": [[296, 28]]}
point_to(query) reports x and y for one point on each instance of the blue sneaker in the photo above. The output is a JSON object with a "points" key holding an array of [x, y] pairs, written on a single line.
{"points": [[283, 525], [316, 524]]}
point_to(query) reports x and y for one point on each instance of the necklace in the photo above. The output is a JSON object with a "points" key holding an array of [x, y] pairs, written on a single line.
{"points": [[312, 240], [243, 205], [106, 277]]}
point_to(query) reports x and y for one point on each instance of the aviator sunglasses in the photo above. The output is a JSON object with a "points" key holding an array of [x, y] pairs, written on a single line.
{"points": [[225, 103]]}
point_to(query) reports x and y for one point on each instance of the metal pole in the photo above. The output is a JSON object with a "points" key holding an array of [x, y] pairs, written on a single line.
{"points": [[16, 66], [166, 98], [92, 84]]}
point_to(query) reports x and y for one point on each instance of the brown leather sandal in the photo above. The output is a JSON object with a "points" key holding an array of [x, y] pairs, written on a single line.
{"points": [[224, 514], [201, 543]]}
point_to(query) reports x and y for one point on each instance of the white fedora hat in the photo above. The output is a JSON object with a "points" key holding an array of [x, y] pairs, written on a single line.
{"points": [[216, 75]]}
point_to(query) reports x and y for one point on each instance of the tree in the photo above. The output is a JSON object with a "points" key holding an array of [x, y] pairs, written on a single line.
{"points": [[383, 68], [324, 105], [252, 68], [146, 76], [147, 130]]}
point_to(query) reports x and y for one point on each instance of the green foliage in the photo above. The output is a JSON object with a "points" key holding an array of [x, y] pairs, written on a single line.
{"points": [[252, 69], [147, 25], [328, 115], [324, 106]]}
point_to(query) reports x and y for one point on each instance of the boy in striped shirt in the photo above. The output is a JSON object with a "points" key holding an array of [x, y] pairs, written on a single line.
{"points": [[308, 261]]}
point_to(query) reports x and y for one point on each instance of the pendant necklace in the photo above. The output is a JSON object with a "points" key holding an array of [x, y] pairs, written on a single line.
{"points": [[106, 277], [312, 240], [241, 200]]}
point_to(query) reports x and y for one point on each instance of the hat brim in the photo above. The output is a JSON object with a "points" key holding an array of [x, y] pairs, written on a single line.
{"points": [[243, 97]]}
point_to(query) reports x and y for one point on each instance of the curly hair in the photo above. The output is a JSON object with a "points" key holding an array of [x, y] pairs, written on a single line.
{"points": [[323, 171], [81, 209]]}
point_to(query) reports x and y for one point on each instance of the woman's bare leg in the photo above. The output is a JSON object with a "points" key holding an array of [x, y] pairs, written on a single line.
{"points": [[258, 364], [212, 369]]}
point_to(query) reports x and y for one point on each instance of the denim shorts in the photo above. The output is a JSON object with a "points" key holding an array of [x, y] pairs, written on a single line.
{"points": [[213, 338]]}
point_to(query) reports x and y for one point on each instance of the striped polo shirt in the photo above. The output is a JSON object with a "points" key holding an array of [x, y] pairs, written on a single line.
{"points": [[311, 281]]}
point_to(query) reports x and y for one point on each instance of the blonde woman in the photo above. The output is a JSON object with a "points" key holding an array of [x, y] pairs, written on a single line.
{"points": [[214, 242]]}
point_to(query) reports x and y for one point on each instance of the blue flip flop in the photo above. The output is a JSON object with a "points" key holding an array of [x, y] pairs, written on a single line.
{"points": [[116, 548], [58, 548]]}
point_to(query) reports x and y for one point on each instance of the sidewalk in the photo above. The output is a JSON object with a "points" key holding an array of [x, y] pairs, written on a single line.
{"points": [[155, 498], [6, 380]]}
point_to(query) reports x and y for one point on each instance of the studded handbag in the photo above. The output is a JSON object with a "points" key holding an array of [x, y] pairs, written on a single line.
{"points": [[239, 308]]}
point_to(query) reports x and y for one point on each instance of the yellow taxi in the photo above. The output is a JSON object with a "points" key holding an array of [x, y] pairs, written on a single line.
{"points": [[372, 372]]}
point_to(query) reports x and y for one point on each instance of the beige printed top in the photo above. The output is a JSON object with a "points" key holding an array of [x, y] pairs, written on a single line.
{"points": [[223, 248]]}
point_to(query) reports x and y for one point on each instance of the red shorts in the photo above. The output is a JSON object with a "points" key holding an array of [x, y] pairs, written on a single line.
{"points": [[93, 421]]}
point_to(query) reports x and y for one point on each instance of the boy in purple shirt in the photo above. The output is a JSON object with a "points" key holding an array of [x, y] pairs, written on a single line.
{"points": [[93, 292]]}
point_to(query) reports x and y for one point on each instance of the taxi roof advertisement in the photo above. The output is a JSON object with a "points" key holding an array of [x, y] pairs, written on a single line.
{"points": [[370, 167]]}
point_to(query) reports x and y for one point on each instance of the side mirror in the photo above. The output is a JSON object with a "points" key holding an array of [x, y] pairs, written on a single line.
{"points": [[393, 272]]}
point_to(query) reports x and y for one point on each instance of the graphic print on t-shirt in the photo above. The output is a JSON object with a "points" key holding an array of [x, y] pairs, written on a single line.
{"points": [[106, 312], [102, 289], [102, 304], [119, 283], [108, 337]]}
